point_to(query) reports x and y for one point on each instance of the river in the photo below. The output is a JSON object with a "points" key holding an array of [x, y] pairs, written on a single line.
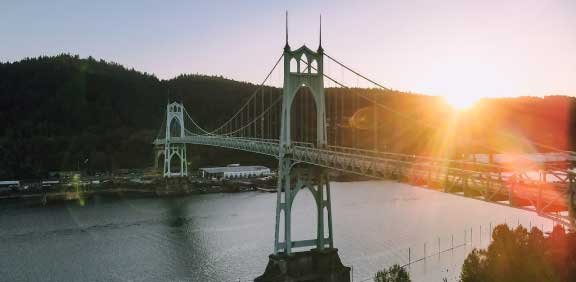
{"points": [[228, 237]]}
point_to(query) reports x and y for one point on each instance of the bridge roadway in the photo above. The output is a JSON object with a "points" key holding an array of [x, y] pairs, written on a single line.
{"points": [[549, 196]]}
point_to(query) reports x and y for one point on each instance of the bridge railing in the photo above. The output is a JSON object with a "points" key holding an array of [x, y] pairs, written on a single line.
{"points": [[488, 172], [489, 182]]}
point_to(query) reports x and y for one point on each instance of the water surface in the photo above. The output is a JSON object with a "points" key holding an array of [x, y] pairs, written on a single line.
{"points": [[228, 237]]}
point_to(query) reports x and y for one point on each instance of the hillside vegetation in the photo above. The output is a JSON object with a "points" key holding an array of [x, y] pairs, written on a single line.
{"points": [[65, 113]]}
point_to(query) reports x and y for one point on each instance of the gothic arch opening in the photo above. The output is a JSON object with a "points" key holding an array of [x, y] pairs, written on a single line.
{"points": [[293, 65], [314, 66], [304, 67], [303, 122], [175, 164], [281, 220], [175, 128], [304, 216]]}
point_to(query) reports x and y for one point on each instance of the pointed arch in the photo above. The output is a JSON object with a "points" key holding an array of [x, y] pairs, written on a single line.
{"points": [[303, 124], [293, 65], [326, 220], [175, 164], [175, 127], [314, 66], [304, 215], [281, 226], [304, 64]]}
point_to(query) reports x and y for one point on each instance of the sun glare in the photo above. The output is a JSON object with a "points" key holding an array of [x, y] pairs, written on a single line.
{"points": [[460, 103]]}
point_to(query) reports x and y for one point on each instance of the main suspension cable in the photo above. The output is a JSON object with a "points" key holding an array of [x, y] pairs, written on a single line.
{"points": [[355, 72], [508, 135], [248, 100]]}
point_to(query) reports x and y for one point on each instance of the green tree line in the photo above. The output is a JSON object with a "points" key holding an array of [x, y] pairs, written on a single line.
{"points": [[65, 112], [523, 255]]}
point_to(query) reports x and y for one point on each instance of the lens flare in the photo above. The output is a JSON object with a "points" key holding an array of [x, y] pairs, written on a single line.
{"points": [[460, 102]]}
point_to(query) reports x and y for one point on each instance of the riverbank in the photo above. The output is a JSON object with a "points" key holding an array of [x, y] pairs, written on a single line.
{"points": [[83, 189], [151, 188]]}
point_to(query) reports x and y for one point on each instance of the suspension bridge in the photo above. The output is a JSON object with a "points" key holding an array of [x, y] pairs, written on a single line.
{"points": [[308, 131]]}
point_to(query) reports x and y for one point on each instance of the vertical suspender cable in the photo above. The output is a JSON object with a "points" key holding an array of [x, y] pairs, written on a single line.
{"points": [[248, 124], [262, 118], [256, 115], [332, 121], [306, 115], [273, 123], [302, 117], [375, 121], [342, 116], [336, 119], [269, 119], [354, 110], [250, 118], [255, 119], [277, 121], [245, 123]]}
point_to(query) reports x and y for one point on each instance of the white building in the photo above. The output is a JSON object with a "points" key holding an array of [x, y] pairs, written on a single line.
{"points": [[50, 183], [9, 185], [234, 171]]}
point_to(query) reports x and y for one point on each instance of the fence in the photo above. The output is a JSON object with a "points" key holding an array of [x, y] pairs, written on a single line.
{"points": [[442, 246], [478, 237]]}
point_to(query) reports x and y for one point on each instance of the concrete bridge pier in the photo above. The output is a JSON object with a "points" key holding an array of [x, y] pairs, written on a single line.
{"points": [[321, 263], [314, 265]]}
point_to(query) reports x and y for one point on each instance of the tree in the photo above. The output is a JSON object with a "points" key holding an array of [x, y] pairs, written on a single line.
{"points": [[473, 267], [393, 274], [522, 256]]}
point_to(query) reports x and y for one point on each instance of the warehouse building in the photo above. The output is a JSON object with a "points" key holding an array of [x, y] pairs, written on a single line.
{"points": [[9, 185], [234, 171]]}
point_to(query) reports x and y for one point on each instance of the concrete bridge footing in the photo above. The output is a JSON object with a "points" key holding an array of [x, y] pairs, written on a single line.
{"points": [[310, 266]]}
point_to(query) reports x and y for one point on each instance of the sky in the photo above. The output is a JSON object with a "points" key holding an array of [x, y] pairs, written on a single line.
{"points": [[453, 48]]}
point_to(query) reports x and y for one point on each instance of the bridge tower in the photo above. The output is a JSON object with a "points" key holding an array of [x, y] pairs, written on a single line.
{"points": [[303, 68], [173, 145]]}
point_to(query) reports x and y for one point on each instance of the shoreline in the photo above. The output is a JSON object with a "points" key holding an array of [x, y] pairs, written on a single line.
{"points": [[156, 189]]}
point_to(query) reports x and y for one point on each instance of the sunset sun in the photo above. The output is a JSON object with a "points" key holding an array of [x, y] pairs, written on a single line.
{"points": [[460, 102]]}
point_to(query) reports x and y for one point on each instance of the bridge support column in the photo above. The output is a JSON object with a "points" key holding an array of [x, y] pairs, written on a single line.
{"points": [[170, 151], [173, 144], [291, 181], [321, 263]]}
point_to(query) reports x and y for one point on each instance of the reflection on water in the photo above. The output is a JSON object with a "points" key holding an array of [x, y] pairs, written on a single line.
{"points": [[227, 237]]}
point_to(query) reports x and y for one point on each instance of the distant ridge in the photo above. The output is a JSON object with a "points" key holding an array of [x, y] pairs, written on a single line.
{"points": [[57, 110]]}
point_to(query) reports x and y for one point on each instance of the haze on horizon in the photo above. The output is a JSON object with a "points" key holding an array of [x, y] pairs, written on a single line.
{"points": [[450, 48]]}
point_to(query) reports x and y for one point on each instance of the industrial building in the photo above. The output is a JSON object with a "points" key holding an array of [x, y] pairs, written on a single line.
{"points": [[234, 171], [9, 185]]}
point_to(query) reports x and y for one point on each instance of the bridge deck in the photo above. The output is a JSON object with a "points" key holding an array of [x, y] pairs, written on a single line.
{"points": [[480, 181]]}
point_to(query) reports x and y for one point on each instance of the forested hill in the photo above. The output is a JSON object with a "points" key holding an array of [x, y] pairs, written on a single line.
{"points": [[64, 113], [56, 112]]}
